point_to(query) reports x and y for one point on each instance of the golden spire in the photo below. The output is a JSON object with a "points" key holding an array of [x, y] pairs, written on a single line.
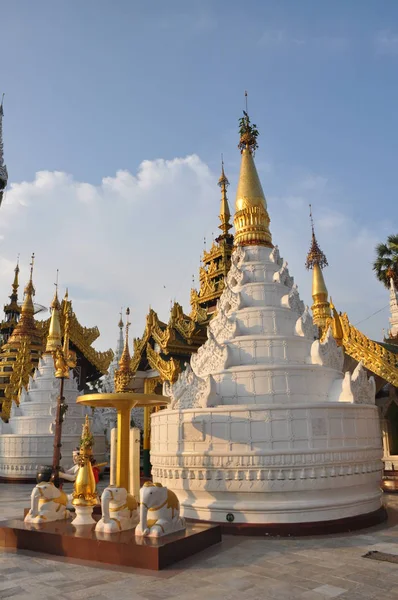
{"points": [[316, 260], [225, 214], [54, 338], [251, 217], [124, 374], [27, 306], [26, 325], [15, 284]]}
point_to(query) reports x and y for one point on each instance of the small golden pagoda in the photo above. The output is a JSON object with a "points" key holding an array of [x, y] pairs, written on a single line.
{"points": [[316, 260], [84, 493], [19, 356], [12, 310], [166, 347], [124, 373]]}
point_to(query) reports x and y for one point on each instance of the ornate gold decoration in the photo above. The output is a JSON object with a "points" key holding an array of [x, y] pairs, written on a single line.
{"points": [[124, 374], [64, 358], [374, 356], [251, 217], [19, 378], [167, 369], [82, 338]]}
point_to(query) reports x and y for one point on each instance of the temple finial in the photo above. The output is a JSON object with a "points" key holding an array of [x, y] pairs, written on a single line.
{"points": [[315, 255], [316, 260], [15, 284], [124, 374], [251, 217], [54, 338], [27, 305], [3, 168], [225, 214]]}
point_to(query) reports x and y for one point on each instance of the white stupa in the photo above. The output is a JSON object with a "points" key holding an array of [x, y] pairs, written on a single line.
{"points": [[26, 441], [264, 427]]}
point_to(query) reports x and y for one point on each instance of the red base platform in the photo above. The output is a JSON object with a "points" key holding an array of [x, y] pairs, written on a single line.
{"points": [[60, 538]]}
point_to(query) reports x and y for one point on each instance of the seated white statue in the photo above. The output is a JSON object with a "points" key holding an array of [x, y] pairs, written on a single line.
{"points": [[164, 511], [47, 503], [119, 510]]}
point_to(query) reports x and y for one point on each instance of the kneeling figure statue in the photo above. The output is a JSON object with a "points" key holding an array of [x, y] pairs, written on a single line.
{"points": [[119, 510], [47, 503], [164, 511]]}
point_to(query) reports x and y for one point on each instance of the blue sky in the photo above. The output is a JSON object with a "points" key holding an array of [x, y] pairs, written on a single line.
{"points": [[97, 87]]}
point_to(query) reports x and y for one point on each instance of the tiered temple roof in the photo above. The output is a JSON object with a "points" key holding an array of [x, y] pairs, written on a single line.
{"points": [[12, 310], [19, 356], [166, 347]]}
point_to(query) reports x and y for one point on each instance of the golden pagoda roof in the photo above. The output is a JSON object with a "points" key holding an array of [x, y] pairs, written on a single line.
{"points": [[251, 218], [180, 337], [20, 354], [82, 338]]}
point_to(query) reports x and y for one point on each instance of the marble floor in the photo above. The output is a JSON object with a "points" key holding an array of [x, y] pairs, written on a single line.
{"points": [[249, 568]]}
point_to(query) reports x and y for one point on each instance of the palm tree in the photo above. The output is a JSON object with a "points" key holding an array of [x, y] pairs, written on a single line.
{"points": [[386, 263]]}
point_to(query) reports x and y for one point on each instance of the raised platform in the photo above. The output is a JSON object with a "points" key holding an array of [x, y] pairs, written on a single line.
{"points": [[305, 529], [60, 538]]}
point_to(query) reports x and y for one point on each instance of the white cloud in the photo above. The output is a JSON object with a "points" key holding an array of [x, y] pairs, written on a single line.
{"points": [[386, 42], [313, 182], [114, 244], [136, 240]]}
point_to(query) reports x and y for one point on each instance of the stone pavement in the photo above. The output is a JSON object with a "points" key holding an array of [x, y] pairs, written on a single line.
{"points": [[250, 568]]}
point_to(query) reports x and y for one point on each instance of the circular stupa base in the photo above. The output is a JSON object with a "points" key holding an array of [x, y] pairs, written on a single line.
{"points": [[304, 529]]}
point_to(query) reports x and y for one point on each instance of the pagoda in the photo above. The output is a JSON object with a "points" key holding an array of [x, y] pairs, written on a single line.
{"points": [[3, 168], [163, 350], [27, 438], [12, 310], [216, 263], [263, 427], [19, 356]]}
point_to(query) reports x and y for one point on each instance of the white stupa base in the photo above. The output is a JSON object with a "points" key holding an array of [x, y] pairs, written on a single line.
{"points": [[270, 464], [275, 508], [83, 516]]}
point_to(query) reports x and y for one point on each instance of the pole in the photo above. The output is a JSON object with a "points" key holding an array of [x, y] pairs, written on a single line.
{"points": [[146, 446], [123, 447], [58, 434]]}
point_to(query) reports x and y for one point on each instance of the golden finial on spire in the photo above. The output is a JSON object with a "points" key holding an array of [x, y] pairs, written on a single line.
{"points": [[124, 374], [315, 255], [121, 324], [27, 305], [54, 338], [316, 260], [15, 284], [225, 214], [251, 218]]}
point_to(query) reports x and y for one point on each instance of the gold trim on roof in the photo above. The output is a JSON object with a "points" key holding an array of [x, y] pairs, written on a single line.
{"points": [[374, 356], [82, 338], [167, 369]]}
